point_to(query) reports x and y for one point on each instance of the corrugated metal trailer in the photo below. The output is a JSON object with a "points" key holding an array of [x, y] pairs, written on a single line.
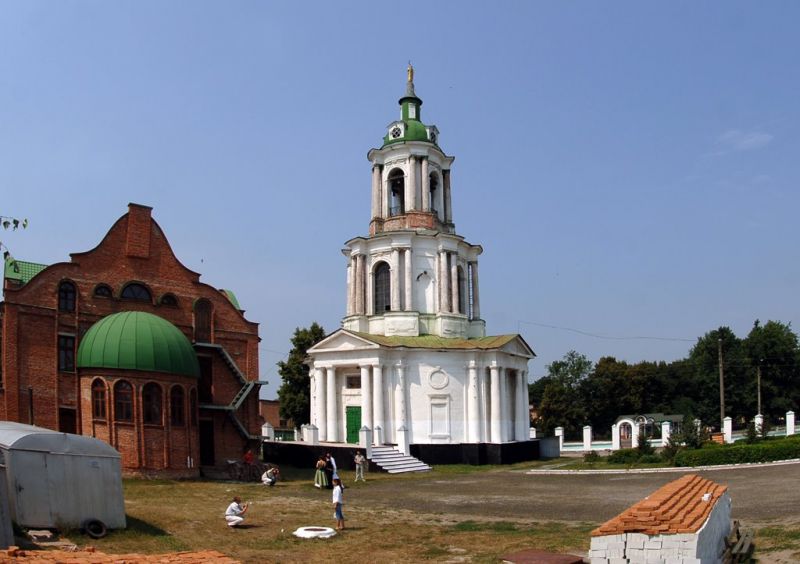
{"points": [[59, 480]]}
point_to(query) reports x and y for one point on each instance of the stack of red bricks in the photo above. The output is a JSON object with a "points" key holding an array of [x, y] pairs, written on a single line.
{"points": [[681, 506], [90, 556]]}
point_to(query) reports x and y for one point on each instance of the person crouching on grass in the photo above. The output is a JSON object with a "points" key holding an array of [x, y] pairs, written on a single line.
{"points": [[234, 513], [338, 500]]}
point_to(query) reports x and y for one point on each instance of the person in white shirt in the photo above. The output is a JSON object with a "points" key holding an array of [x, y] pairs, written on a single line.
{"points": [[269, 477], [359, 462], [234, 513], [337, 503]]}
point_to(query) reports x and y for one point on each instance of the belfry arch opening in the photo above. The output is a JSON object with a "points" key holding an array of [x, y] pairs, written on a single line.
{"points": [[433, 181], [382, 291], [397, 188]]}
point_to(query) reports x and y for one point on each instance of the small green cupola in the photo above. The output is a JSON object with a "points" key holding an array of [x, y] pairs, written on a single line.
{"points": [[410, 126]]}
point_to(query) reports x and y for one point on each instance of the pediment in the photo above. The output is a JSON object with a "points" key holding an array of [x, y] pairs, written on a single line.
{"points": [[342, 340], [517, 346]]}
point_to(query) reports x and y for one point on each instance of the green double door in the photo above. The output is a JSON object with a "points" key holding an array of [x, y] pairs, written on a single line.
{"points": [[353, 415]]}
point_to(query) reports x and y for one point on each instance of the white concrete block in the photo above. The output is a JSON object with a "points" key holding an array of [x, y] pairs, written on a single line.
{"points": [[617, 561], [653, 544], [599, 560]]}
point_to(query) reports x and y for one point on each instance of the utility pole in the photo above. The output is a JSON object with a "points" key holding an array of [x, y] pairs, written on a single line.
{"points": [[721, 386], [758, 385]]}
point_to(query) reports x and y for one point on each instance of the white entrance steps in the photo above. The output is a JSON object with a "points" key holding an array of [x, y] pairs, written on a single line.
{"points": [[395, 462]]}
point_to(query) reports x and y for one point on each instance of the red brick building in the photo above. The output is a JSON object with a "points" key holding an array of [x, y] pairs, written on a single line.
{"points": [[124, 343]]}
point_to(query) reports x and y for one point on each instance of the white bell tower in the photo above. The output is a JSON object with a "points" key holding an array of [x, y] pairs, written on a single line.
{"points": [[413, 275]]}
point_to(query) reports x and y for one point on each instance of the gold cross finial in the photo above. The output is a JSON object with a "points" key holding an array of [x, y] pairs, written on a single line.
{"points": [[410, 72]]}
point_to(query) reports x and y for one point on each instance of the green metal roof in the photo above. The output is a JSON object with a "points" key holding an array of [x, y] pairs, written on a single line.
{"points": [[434, 342], [232, 297], [22, 270], [135, 340]]}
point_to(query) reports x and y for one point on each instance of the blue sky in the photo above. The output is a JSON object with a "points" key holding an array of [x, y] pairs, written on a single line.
{"points": [[631, 169]]}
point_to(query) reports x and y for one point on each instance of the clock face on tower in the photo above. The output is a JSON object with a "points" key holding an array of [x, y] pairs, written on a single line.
{"points": [[396, 132]]}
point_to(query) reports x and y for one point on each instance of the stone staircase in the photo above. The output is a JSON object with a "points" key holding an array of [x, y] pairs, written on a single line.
{"points": [[395, 462]]}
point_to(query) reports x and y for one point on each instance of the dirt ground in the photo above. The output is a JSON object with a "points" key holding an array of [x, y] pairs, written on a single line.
{"points": [[759, 494]]}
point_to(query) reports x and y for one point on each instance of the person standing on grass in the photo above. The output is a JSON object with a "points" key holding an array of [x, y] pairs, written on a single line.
{"points": [[320, 477], [338, 500], [359, 461], [234, 515], [329, 470]]}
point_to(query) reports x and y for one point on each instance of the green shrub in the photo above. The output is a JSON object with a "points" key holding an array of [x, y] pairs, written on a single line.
{"points": [[644, 447], [783, 449], [671, 449], [650, 459], [591, 457], [624, 456]]}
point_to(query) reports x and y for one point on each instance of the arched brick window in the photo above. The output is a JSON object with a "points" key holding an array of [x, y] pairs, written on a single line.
{"points": [[382, 291], [176, 409], [151, 404], [136, 291], [66, 296], [99, 399], [103, 291], [203, 313], [123, 401]]}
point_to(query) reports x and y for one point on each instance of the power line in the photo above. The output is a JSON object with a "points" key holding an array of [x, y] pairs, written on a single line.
{"points": [[607, 337]]}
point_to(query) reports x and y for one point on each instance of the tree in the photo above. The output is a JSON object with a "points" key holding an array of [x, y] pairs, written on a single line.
{"points": [[294, 391], [562, 402], [13, 224], [774, 348]]}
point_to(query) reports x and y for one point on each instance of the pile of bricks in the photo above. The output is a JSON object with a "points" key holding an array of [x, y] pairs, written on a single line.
{"points": [[685, 522], [91, 556]]}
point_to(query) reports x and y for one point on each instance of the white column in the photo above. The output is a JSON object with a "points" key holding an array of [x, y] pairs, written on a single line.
{"points": [[504, 407], [376, 191], [360, 284], [395, 274], [426, 186], [411, 186], [409, 282], [447, 210], [351, 286], [370, 289], [402, 416], [614, 437], [759, 423], [635, 437], [444, 284], [790, 422], [496, 425], [532, 432], [440, 195], [454, 283], [322, 403], [473, 410], [476, 302], [587, 438], [438, 306], [332, 424], [727, 430], [366, 396], [384, 196], [377, 400], [666, 432], [523, 417]]}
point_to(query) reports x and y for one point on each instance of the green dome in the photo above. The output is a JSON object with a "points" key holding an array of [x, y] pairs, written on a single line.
{"points": [[135, 340], [415, 131]]}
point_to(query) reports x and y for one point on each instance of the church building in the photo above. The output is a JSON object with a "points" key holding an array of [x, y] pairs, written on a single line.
{"points": [[412, 362], [126, 344]]}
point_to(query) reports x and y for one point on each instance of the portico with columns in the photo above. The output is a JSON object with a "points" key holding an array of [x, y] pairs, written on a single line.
{"points": [[412, 355]]}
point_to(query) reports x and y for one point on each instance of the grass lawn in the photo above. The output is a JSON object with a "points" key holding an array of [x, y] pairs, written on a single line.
{"points": [[168, 516]]}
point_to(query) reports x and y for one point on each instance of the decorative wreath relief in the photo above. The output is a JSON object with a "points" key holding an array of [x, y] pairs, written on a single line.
{"points": [[438, 380], [314, 532]]}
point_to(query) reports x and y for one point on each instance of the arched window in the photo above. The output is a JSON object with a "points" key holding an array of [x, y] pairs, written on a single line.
{"points": [[193, 407], [66, 296], [169, 300], [462, 291], [103, 291], [203, 312], [123, 401], [176, 410], [383, 290], [99, 399], [151, 404], [434, 182], [397, 191], [136, 291]]}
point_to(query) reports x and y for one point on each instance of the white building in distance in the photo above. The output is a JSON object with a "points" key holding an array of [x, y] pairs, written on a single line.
{"points": [[412, 361]]}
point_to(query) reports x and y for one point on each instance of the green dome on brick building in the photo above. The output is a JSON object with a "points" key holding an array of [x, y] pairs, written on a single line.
{"points": [[136, 340]]}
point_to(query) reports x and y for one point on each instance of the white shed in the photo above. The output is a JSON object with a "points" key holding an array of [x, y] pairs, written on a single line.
{"points": [[60, 480]]}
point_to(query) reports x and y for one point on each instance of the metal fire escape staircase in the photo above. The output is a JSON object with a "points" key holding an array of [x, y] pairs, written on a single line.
{"points": [[247, 387]]}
